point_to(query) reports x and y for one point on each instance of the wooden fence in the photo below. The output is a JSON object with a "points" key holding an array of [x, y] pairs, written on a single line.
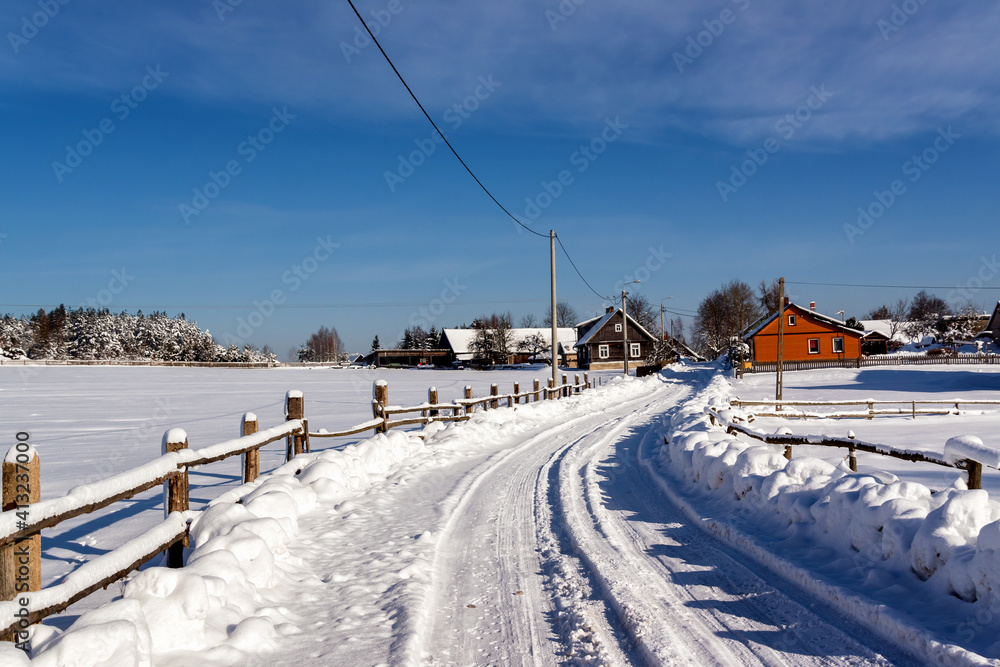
{"points": [[974, 468], [871, 412], [23, 602], [875, 360]]}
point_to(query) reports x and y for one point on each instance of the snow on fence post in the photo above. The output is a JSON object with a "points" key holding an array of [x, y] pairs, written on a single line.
{"points": [[536, 391], [971, 451], [852, 459], [871, 410], [517, 393], [469, 409], [565, 388], [551, 393], [494, 391], [175, 493], [251, 460], [432, 398], [294, 409], [21, 562], [576, 383], [380, 399]]}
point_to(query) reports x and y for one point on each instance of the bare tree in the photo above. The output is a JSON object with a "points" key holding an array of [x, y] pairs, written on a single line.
{"points": [[565, 316], [324, 345], [494, 339], [640, 310], [533, 344], [529, 321], [925, 312], [726, 313], [768, 295]]}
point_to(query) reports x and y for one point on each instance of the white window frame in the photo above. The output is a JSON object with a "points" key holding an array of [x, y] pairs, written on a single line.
{"points": [[635, 349], [791, 320], [838, 343], [809, 344], [618, 327], [603, 352]]}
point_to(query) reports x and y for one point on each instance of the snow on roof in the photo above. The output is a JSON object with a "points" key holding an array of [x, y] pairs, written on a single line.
{"points": [[604, 320], [460, 340], [883, 327], [819, 316]]}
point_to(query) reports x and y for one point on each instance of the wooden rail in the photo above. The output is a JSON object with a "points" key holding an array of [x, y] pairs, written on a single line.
{"points": [[875, 360], [973, 468], [21, 525], [870, 403]]}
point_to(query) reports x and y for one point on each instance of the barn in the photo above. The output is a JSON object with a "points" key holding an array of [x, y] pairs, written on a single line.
{"points": [[807, 335]]}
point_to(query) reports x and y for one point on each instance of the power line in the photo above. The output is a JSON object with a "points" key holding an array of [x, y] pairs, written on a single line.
{"points": [[793, 282], [434, 125], [284, 306], [573, 264]]}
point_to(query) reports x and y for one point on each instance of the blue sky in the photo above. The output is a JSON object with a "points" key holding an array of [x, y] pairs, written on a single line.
{"points": [[825, 107]]}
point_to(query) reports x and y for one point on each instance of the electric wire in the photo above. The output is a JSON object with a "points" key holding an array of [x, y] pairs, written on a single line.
{"points": [[573, 264], [795, 282], [434, 125]]}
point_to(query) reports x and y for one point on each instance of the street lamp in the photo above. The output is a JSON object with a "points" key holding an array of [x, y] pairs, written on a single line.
{"points": [[625, 326]]}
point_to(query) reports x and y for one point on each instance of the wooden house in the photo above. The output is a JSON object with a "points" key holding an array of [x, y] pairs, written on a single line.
{"points": [[807, 335], [993, 325], [601, 346]]}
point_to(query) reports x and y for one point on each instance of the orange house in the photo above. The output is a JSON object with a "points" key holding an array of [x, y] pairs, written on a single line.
{"points": [[807, 335]]}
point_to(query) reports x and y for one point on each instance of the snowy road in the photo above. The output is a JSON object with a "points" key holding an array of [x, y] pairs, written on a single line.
{"points": [[553, 545]]}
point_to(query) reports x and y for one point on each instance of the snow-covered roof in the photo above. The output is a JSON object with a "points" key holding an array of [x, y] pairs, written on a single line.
{"points": [[460, 340], [812, 313], [994, 322], [604, 320], [883, 327]]}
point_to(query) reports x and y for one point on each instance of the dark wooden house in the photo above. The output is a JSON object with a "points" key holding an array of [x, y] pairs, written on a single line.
{"points": [[600, 345]]}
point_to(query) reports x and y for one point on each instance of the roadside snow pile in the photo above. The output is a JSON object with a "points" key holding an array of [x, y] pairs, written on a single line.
{"points": [[949, 539], [216, 609]]}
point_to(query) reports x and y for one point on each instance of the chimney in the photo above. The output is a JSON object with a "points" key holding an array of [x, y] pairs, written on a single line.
{"points": [[786, 301], [812, 305], [610, 309]]}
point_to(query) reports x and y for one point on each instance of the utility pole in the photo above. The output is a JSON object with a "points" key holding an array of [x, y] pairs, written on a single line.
{"points": [[624, 334], [781, 338], [552, 264]]}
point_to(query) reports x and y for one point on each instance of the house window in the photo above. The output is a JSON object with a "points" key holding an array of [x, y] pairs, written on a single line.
{"points": [[838, 345], [814, 346], [618, 328], [602, 351], [791, 320], [635, 349]]}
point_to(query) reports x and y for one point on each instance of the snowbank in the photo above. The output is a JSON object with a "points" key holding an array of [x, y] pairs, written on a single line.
{"points": [[216, 610], [950, 539]]}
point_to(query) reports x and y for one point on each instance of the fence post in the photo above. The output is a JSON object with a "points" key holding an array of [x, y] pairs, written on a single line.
{"points": [[586, 380], [468, 395], [175, 493], [432, 398], [576, 383], [871, 410], [914, 408], [494, 391], [852, 459], [251, 460], [551, 393], [380, 395], [536, 391], [21, 468], [517, 393], [565, 389], [975, 474], [294, 409]]}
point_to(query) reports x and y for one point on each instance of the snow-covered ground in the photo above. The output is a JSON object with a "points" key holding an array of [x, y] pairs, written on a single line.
{"points": [[560, 533]]}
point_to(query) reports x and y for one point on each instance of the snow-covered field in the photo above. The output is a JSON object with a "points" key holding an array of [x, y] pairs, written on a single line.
{"points": [[560, 533]]}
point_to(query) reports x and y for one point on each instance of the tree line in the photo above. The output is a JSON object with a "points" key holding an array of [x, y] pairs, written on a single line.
{"points": [[90, 334]]}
